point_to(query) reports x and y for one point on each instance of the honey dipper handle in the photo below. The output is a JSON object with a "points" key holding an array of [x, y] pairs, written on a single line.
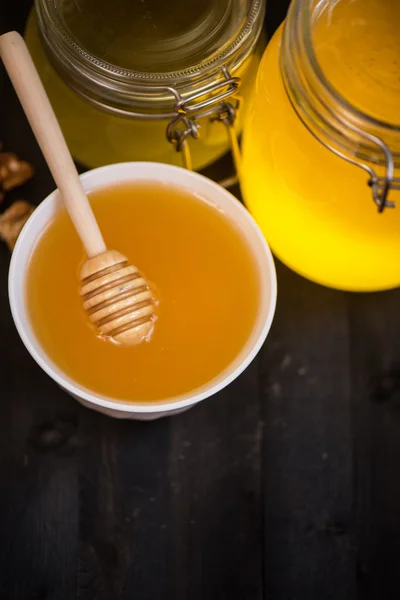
{"points": [[40, 114]]}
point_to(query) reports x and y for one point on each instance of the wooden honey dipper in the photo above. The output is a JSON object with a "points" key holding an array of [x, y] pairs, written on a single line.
{"points": [[116, 297]]}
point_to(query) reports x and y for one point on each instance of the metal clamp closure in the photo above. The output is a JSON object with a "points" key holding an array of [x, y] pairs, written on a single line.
{"points": [[381, 186], [211, 102]]}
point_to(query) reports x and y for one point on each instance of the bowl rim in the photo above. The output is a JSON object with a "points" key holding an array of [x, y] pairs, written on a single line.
{"points": [[63, 380]]}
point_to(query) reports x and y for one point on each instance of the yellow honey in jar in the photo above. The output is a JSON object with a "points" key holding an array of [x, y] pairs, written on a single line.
{"points": [[315, 208], [206, 283], [114, 72]]}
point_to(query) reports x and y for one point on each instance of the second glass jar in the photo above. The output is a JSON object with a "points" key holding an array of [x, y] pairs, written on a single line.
{"points": [[321, 148]]}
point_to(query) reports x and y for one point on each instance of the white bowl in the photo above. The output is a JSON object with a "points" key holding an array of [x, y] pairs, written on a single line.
{"points": [[202, 188]]}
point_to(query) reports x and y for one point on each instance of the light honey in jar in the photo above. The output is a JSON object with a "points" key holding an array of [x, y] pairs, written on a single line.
{"points": [[114, 72], [332, 69], [206, 285]]}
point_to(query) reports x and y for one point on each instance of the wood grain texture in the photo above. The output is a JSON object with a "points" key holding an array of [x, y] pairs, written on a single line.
{"points": [[308, 447], [283, 487], [375, 345]]}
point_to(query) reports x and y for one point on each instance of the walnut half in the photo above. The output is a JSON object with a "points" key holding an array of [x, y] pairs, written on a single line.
{"points": [[13, 220], [13, 171]]}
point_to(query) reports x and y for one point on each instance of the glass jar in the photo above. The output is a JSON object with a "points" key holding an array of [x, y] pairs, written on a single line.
{"points": [[321, 156], [143, 79]]}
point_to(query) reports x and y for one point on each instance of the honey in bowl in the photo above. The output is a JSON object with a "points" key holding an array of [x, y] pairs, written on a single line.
{"points": [[206, 284]]}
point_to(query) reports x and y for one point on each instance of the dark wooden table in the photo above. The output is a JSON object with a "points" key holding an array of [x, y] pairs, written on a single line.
{"points": [[285, 486]]}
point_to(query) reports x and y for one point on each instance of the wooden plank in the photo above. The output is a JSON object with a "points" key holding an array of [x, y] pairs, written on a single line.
{"points": [[215, 476], [308, 449], [375, 368], [38, 503], [124, 505]]}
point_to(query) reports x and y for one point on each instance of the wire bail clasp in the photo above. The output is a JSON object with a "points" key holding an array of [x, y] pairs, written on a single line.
{"points": [[178, 130], [381, 186], [210, 101]]}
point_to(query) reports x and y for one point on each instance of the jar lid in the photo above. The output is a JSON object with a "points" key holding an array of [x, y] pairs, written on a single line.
{"points": [[111, 52], [151, 35]]}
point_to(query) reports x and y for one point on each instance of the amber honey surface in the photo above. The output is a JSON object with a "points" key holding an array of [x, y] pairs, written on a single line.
{"points": [[206, 286]]}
